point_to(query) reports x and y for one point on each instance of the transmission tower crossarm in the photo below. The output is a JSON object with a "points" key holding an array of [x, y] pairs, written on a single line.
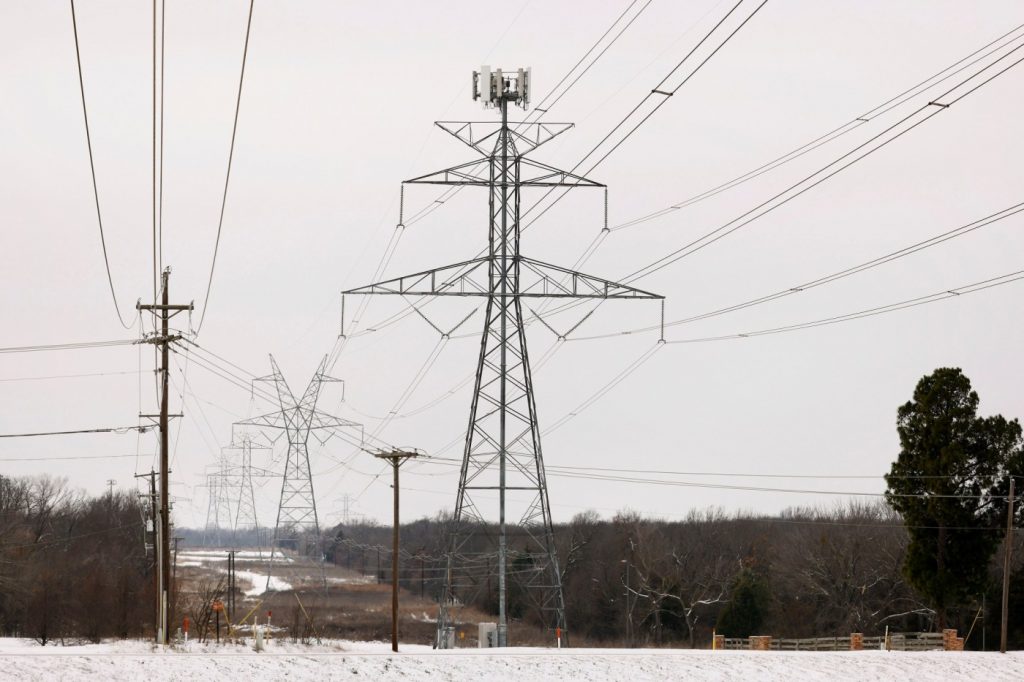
{"points": [[545, 176], [537, 279], [447, 280], [555, 281], [553, 177], [482, 135]]}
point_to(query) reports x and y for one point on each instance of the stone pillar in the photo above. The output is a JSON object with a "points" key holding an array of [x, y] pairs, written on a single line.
{"points": [[857, 641]]}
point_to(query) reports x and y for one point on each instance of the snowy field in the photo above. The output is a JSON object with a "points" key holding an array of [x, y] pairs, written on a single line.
{"points": [[25, 660]]}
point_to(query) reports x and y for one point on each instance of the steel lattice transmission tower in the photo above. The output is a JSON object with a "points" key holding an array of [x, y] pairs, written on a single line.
{"points": [[503, 449], [245, 518], [219, 504], [297, 510]]}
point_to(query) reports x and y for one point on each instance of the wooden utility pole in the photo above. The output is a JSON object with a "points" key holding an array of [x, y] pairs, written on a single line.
{"points": [[156, 552], [1007, 554], [164, 311], [174, 566], [396, 458]]}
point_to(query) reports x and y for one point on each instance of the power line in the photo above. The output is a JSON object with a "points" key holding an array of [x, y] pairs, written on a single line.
{"points": [[792, 192], [656, 91], [156, 269], [833, 134], [92, 170], [835, 276], [227, 176], [724, 230], [115, 429], [585, 475], [70, 376], [717, 474], [53, 459], [160, 217], [69, 538], [870, 312], [80, 345], [636, 364], [811, 181]]}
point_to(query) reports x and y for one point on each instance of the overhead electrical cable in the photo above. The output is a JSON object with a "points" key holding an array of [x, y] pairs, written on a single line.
{"points": [[870, 312], [865, 149], [834, 134], [592, 476], [92, 171], [68, 346], [830, 278], [156, 268], [54, 459], [113, 429], [70, 376], [160, 198], [824, 173], [721, 474], [227, 175], [658, 91]]}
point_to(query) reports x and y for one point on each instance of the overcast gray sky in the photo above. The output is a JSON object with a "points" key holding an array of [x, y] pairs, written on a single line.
{"points": [[338, 107]]}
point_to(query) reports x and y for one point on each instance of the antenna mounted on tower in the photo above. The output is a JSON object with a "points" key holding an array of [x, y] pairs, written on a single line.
{"points": [[493, 86]]}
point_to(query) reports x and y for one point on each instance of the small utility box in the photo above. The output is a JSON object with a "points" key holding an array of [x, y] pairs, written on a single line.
{"points": [[488, 635], [447, 638]]}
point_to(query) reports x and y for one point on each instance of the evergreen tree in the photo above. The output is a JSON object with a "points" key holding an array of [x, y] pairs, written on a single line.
{"points": [[949, 484], [744, 615]]}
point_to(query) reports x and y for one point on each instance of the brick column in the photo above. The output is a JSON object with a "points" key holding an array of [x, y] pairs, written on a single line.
{"points": [[857, 641], [760, 642], [718, 642], [949, 639]]}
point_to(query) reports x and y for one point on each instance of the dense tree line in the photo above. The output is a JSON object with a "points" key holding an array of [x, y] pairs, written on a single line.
{"points": [[927, 556], [72, 566], [632, 580]]}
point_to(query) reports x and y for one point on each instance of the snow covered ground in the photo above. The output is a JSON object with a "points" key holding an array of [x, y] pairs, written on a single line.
{"points": [[25, 660], [259, 583], [199, 558]]}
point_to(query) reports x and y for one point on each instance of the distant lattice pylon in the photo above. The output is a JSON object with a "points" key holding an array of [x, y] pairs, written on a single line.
{"points": [[298, 418]]}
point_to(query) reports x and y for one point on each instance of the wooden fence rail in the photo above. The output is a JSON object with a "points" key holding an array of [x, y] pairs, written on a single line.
{"points": [[896, 641]]}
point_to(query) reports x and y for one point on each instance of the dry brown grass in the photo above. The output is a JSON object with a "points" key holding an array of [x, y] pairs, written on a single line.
{"points": [[354, 606]]}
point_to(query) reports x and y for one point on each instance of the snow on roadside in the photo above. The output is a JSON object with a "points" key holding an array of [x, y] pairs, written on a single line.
{"points": [[215, 555], [259, 583], [26, 660]]}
